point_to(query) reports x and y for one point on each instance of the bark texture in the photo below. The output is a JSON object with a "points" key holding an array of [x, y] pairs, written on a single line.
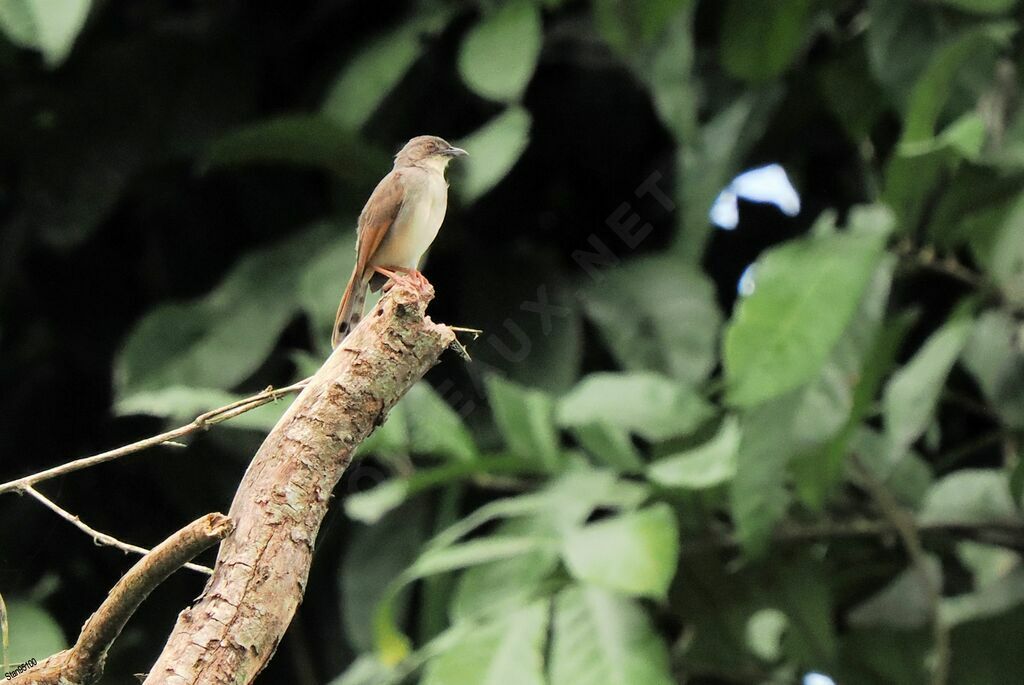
{"points": [[230, 634]]}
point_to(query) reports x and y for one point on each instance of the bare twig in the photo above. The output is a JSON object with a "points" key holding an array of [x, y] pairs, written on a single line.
{"points": [[83, 663], [201, 422], [906, 528], [99, 537]]}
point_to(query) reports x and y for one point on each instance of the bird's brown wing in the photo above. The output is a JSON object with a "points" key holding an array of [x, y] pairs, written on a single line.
{"points": [[375, 221], [378, 216]]}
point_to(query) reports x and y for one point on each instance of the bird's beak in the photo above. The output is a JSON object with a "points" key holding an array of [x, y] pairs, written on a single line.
{"points": [[456, 152]]}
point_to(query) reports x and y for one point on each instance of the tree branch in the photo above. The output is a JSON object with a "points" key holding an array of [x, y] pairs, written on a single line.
{"points": [[83, 663], [260, 575], [99, 537], [201, 422]]}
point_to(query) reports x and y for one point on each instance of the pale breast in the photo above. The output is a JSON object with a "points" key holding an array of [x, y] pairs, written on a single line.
{"points": [[417, 223]]}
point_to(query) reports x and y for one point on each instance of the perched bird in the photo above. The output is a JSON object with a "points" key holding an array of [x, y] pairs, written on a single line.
{"points": [[398, 223]]}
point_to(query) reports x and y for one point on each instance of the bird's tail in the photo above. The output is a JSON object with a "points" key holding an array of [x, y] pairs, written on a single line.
{"points": [[350, 311]]}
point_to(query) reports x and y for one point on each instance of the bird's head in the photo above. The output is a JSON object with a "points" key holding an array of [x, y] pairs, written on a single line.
{"points": [[429, 151]]}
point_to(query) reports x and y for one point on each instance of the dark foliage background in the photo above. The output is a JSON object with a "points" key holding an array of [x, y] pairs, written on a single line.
{"points": [[179, 183]]}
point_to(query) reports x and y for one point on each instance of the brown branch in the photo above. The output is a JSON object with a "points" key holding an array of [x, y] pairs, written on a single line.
{"points": [[260, 574], [83, 663], [201, 422], [99, 537]]}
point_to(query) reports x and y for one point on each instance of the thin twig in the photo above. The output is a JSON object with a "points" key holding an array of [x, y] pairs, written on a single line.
{"points": [[201, 422], [99, 537], [907, 530], [83, 664]]}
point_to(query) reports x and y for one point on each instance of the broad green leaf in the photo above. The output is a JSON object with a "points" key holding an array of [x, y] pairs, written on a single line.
{"points": [[369, 506], [501, 586], [32, 632], [601, 638], [987, 563], [49, 26], [657, 314], [300, 139], [965, 136], [1007, 257], [392, 646], [704, 466], [379, 67], [930, 93], [904, 603], [494, 149], [969, 496], [847, 87], [499, 54], [525, 418], [806, 292], [760, 40], [906, 475], [913, 392], [609, 444], [996, 598], [365, 670], [509, 650], [758, 496], [374, 557], [184, 403], [627, 25], [998, 366], [634, 553], [219, 340], [650, 405]]}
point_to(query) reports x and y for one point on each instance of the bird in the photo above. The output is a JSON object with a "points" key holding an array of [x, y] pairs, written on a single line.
{"points": [[398, 224]]}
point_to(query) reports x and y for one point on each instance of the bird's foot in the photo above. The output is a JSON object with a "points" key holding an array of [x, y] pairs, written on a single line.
{"points": [[401, 274]]}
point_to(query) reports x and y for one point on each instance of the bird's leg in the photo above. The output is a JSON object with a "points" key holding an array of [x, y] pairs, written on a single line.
{"points": [[395, 273]]}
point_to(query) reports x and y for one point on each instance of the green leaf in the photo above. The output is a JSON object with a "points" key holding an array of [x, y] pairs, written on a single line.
{"points": [[760, 40], [998, 597], [219, 340], [932, 90], [906, 475], [913, 392], [759, 498], [494, 149], [392, 645], [370, 505], [323, 281], [374, 557], [601, 638], [998, 366], [301, 139], [525, 418], [847, 87], [49, 26], [764, 633], [182, 403], [904, 603], [628, 25], [373, 74], [806, 292], [1006, 262], [499, 54], [634, 553], [33, 633], [501, 586], [509, 650], [969, 496], [704, 466], [650, 405], [657, 314], [611, 445]]}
